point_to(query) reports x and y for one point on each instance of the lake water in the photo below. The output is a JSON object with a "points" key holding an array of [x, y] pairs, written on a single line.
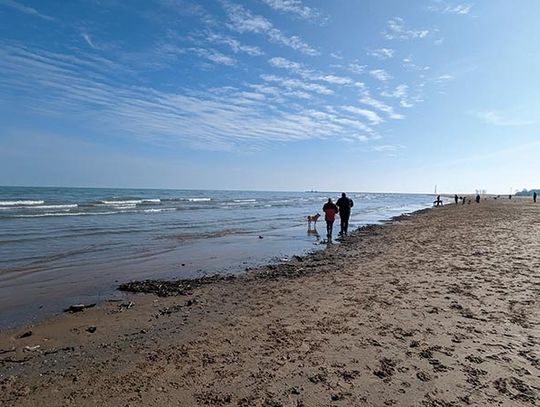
{"points": [[60, 246]]}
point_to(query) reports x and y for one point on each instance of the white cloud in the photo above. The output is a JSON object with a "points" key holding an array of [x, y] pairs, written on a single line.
{"points": [[235, 45], [306, 73], [284, 63], [410, 65], [25, 9], [373, 117], [443, 7], [399, 92], [355, 68], [382, 53], [293, 42], [214, 56], [89, 41], [294, 7], [295, 83], [497, 119], [242, 20], [383, 107], [397, 30], [444, 78], [390, 149], [380, 74], [333, 79]]}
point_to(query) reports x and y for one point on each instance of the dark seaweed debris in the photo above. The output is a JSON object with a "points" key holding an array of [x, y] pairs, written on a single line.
{"points": [[172, 288]]}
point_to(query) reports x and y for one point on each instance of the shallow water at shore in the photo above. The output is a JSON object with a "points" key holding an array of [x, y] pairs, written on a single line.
{"points": [[64, 245]]}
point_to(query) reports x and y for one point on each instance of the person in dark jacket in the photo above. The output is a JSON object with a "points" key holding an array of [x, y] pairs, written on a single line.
{"points": [[534, 196], [456, 199], [344, 204], [330, 211]]}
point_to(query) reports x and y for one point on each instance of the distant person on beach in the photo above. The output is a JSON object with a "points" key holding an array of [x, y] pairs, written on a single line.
{"points": [[330, 211], [456, 198], [509, 196], [344, 204], [438, 201], [464, 199], [477, 198], [534, 196]]}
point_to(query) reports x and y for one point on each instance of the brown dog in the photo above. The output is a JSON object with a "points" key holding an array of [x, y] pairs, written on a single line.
{"points": [[314, 219]]}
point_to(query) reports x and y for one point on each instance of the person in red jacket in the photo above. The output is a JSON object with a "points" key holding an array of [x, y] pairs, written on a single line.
{"points": [[330, 211]]}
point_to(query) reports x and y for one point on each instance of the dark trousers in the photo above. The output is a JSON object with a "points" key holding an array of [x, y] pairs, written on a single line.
{"points": [[344, 216], [329, 227]]}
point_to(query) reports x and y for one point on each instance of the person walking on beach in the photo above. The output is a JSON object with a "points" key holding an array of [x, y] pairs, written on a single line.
{"points": [[456, 198], [534, 196], [330, 211], [477, 198], [344, 204]]}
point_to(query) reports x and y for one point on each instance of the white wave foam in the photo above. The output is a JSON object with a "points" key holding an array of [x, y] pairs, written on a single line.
{"points": [[199, 199], [153, 200], [122, 203], [122, 207], [244, 200], [47, 214], [67, 206], [159, 210], [21, 203]]}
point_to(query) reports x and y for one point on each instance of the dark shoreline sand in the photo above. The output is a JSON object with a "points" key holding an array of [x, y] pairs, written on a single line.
{"points": [[438, 309]]}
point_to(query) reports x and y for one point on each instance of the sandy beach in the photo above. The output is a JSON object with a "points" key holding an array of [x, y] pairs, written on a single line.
{"points": [[436, 309]]}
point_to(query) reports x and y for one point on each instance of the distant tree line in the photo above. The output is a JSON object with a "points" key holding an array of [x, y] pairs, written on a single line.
{"points": [[524, 192]]}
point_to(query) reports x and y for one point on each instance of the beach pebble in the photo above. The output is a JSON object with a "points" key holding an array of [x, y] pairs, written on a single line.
{"points": [[78, 307], [25, 335], [91, 329]]}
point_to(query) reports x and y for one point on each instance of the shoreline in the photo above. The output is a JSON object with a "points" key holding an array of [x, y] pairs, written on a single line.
{"points": [[434, 308]]}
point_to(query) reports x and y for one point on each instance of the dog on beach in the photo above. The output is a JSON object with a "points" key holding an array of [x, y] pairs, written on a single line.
{"points": [[314, 219]]}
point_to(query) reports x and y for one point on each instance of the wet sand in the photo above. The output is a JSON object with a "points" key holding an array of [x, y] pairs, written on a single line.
{"points": [[438, 309]]}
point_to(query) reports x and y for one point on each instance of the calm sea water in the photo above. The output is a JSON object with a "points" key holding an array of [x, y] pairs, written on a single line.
{"points": [[64, 245]]}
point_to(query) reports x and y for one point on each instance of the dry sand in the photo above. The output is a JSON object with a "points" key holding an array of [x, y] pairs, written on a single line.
{"points": [[438, 309]]}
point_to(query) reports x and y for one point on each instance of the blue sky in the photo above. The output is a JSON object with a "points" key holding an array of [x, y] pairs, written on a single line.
{"points": [[371, 95]]}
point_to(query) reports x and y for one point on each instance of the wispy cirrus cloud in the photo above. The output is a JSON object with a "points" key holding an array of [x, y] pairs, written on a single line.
{"points": [[368, 100], [397, 30], [382, 53], [372, 116], [235, 45], [243, 20], [499, 119], [89, 40], [444, 78], [25, 9], [313, 75], [444, 7], [295, 7], [298, 84], [85, 90], [214, 56]]}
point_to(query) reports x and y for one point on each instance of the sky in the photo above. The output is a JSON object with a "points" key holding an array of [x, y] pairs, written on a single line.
{"points": [[340, 95]]}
